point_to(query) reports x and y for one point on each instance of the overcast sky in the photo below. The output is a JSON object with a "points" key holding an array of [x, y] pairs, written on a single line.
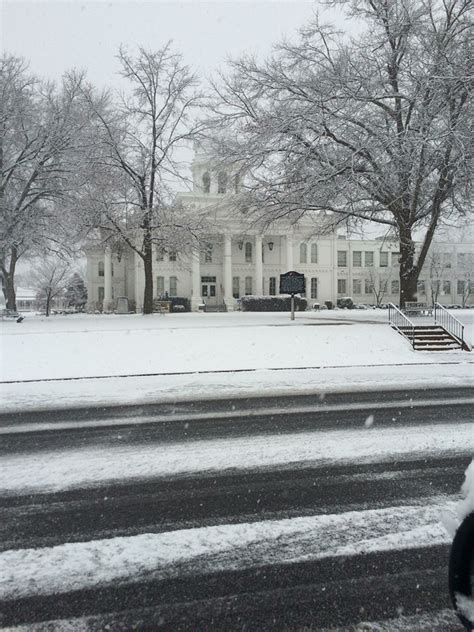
{"points": [[59, 35]]}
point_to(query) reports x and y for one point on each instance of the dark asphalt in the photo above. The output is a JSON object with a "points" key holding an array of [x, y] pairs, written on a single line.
{"points": [[187, 422], [307, 596], [327, 593], [170, 504], [243, 404]]}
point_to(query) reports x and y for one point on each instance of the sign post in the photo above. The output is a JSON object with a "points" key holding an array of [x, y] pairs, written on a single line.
{"points": [[292, 283]]}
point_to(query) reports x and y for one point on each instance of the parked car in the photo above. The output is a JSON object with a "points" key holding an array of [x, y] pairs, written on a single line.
{"points": [[461, 558]]}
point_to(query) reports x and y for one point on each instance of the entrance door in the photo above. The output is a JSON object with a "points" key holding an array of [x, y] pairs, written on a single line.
{"points": [[208, 290]]}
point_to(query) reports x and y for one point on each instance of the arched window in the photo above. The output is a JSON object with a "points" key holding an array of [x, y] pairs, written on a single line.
{"points": [[248, 252], [314, 253], [206, 182], [222, 182], [303, 253]]}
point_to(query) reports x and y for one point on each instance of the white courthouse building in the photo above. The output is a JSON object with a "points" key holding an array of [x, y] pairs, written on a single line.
{"points": [[236, 261]]}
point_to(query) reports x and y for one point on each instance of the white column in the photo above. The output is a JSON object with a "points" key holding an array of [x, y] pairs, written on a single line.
{"points": [[108, 303], [228, 298], [91, 266], [139, 283], [289, 253], [153, 255], [196, 298], [258, 266], [334, 270]]}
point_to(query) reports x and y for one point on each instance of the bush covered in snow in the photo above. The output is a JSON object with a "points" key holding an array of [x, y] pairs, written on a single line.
{"points": [[272, 304]]}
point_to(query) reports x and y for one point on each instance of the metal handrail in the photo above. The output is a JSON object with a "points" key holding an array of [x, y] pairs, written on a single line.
{"points": [[452, 325], [401, 323]]}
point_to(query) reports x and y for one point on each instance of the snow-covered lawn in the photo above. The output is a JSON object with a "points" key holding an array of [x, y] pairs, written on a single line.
{"points": [[322, 345], [117, 345]]}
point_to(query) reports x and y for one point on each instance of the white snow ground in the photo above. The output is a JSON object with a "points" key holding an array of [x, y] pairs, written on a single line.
{"points": [[45, 471], [343, 350], [73, 566]]}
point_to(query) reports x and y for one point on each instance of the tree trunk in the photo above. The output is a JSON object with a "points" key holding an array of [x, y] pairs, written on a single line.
{"points": [[9, 280], [148, 265], [408, 271], [48, 301]]}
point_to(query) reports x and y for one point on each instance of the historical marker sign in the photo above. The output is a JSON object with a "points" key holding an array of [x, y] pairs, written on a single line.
{"points": [[292, 283]]}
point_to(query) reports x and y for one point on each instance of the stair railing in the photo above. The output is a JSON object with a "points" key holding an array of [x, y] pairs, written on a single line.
{"points": [[401, 323], [449, 322]]}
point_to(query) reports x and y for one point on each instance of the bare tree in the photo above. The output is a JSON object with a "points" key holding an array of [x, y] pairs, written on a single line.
{"points": [[134, 163], [50, 279], [465, 276], [379, 284], [437, 267], [369, 128], [40, 128]]}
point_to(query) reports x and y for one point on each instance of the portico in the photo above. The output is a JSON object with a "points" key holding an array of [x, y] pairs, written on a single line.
{"points": [[223, 268]]}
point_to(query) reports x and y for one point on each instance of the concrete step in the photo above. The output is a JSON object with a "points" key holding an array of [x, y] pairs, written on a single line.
{"points": [[428, 348], [426, 338]]}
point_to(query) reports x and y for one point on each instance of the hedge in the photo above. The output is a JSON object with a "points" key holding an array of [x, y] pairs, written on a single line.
{"points": [[271, 304]]}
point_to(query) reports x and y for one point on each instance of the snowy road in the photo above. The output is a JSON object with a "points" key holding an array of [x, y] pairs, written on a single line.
{"points": [[230, 523]]}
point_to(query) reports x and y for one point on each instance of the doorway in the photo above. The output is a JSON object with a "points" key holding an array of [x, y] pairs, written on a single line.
{"points": [[208, 290]]}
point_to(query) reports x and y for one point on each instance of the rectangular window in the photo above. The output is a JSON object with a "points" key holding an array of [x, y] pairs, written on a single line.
{"points": [[356, 286], [384, 259], [160, 254], [208, 254], [314, 253], [368, 259], [357, 258], [160, 286], [461, 259], [460, 286], [421, 287], [101, 268], [446, 287], [314, 287], [100, 293], [173, 286], [447, 259], [342, 286], [172, 256], [368, 286], [395, 286], [342, 259], [248, 285], [395, 258], [272, 283], [236, 287]]}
